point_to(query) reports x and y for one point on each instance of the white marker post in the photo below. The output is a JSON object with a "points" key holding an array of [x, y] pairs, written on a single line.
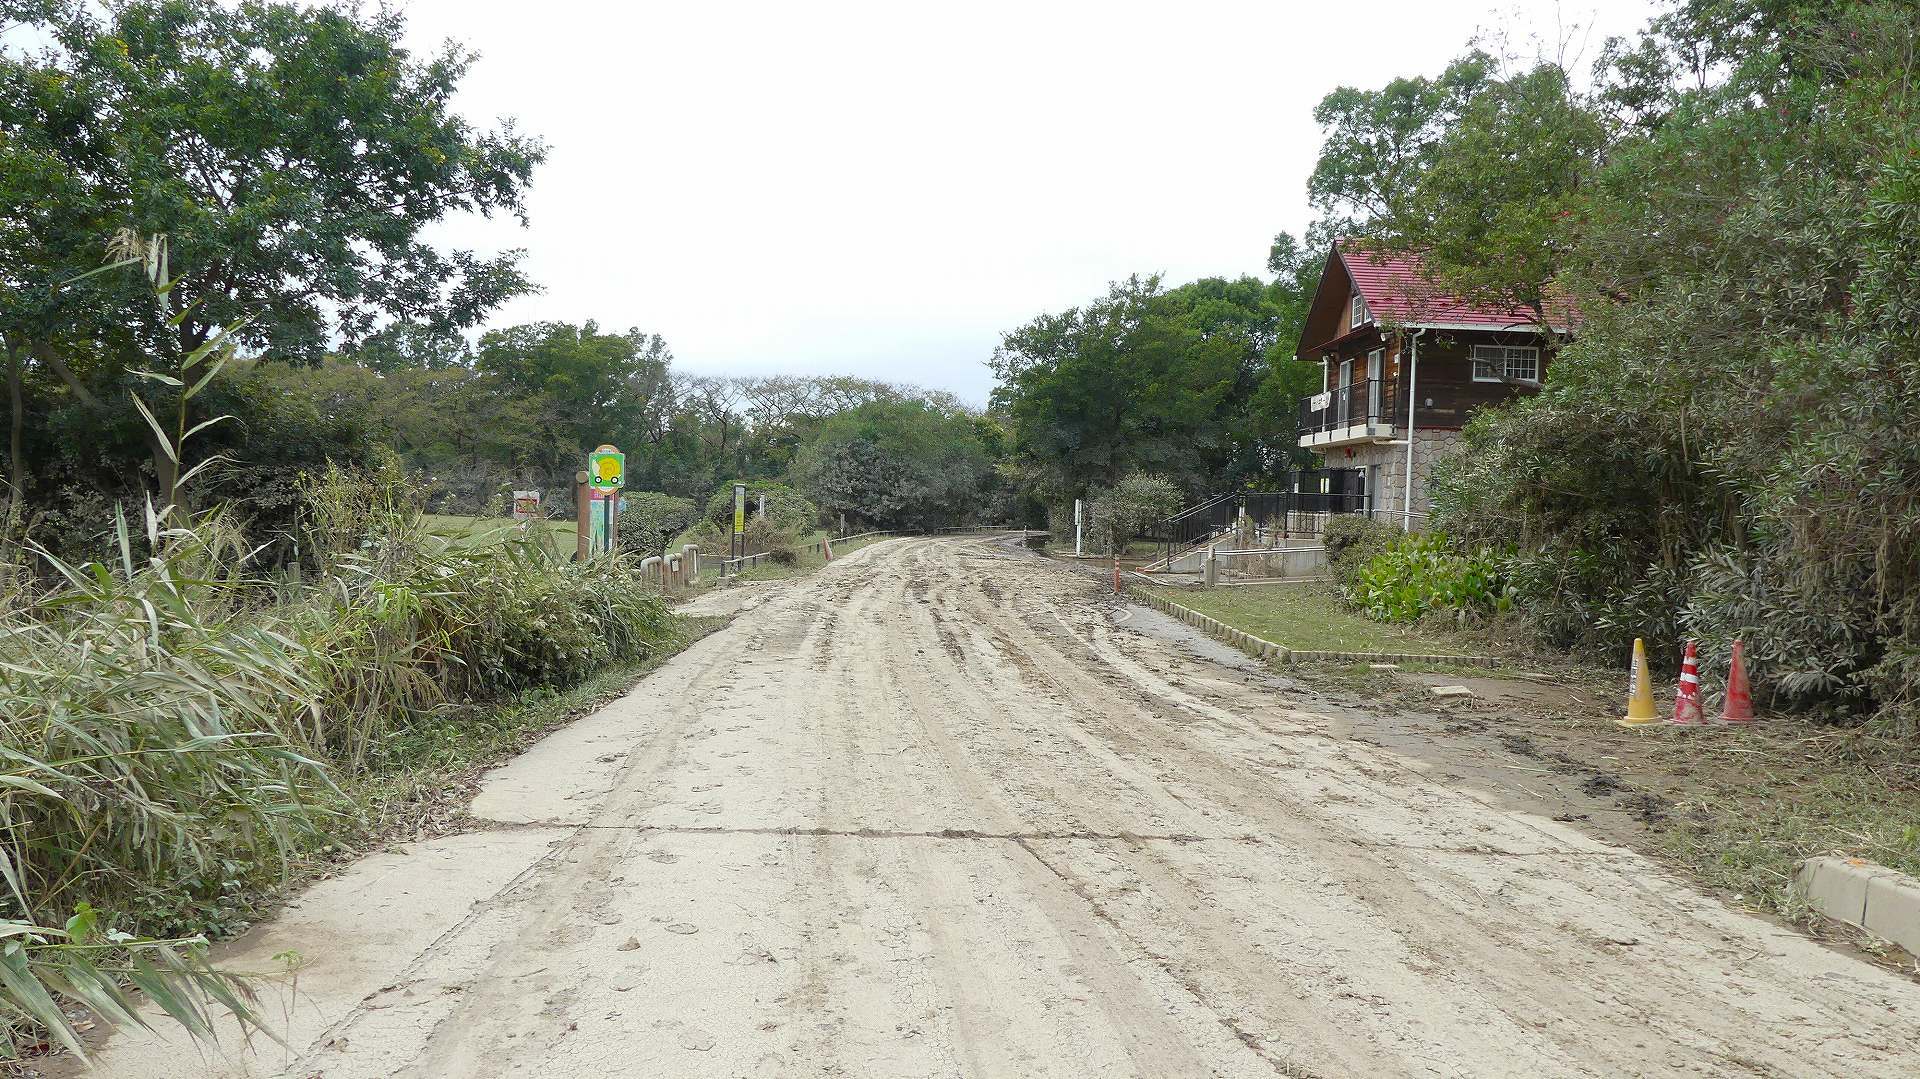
{"points": [[1078, 530]]}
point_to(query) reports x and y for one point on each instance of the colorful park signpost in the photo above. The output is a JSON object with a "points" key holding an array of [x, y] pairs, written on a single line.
{"points": [[598, 496], [606, 470]]}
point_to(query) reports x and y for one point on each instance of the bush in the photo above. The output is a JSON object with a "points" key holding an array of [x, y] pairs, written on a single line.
{"points": [[1352, 540], [716, 541], [1420, 574], [787, 511], [651, 519], [404, 621], [1120, 513]]}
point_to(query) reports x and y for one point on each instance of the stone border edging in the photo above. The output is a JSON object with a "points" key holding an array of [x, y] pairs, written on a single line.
{"points": [[1257, 647], [1261, 648], [1882, 901]]}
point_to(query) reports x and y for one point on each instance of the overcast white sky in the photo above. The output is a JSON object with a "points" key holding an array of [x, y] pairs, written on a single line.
{"points": [[881, 189]]}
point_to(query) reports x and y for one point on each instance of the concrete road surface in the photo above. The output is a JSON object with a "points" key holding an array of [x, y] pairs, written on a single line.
{"points": [[943, 810]]}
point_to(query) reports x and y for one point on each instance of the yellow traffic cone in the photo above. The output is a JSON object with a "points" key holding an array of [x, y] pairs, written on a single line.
{"points": [[1640, 694]]}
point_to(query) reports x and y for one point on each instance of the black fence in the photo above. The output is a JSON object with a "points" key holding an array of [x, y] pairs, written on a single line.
{"points": [[1196, 523], [1328, 490], [1309, 494], [1372, 403]]}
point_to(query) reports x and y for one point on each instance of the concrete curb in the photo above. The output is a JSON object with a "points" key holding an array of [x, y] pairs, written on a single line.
{"points": [[1213, 627], [1882, 901], [1261, 648]]}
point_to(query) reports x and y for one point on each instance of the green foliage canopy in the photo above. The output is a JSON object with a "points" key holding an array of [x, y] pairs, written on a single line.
{"points": [[1145, 378], [898, 465]]}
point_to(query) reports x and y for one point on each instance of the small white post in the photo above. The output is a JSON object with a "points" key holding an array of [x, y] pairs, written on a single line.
{"points": [[1078, 528], [1213, 566]]}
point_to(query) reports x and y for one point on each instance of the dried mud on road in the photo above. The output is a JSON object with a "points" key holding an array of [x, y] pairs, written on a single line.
{"points": [[943, 809]]}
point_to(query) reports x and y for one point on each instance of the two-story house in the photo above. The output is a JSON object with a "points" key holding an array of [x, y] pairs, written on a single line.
{"points": [[1403, 368]]}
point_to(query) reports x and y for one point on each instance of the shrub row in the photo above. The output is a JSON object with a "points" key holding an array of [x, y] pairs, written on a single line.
{"points": [[1393, 576]]}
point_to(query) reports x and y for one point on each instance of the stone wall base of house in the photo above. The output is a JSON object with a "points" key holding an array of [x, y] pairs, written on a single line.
{"points": [[1387, 472]]}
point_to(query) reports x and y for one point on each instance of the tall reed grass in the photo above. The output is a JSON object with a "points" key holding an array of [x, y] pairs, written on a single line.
{"points": [[172, 725]]}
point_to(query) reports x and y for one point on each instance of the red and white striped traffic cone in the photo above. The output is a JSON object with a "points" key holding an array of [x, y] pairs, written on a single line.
{"points": [[1686, 702], [1739, 707]]}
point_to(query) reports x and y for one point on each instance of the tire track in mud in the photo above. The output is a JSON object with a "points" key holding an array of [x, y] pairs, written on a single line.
{"points": [[945, 809], [1521, 979]]}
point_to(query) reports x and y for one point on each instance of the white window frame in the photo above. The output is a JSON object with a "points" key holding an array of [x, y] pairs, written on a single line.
{"points": [[1358, 314], [1516, 363]]}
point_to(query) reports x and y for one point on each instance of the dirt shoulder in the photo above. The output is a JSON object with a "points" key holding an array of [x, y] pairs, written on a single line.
{"points": [[1735, 809]]}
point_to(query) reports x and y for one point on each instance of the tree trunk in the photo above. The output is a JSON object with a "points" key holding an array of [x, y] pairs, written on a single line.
{"points": [[166, 470], [17, 421]]}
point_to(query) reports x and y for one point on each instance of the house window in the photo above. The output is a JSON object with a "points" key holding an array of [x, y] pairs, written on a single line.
{"points": [[1505, 363], [1360, 316]]}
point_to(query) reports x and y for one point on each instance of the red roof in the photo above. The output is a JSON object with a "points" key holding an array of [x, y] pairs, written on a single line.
{"points": [[1397, 290]]}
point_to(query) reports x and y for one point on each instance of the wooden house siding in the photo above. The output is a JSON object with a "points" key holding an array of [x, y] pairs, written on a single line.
{"points": [[1445, 375]]}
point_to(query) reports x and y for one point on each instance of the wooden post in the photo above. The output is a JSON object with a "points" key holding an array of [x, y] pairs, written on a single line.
{"points": [[582, 516]]}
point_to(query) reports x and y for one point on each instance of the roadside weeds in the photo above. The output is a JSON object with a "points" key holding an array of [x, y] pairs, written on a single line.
{"points": [[1734, 809], [429, 773], [423, 778]]}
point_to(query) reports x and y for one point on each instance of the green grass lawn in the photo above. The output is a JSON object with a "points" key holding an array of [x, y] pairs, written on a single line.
{"points": [[484, 531], [1309, 617]]}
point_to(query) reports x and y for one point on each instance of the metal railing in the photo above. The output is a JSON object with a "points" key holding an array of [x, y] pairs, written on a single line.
{"points": [[1196, 523], [1329, 490], [1371, 404], [731, 566], [1310, 495]]}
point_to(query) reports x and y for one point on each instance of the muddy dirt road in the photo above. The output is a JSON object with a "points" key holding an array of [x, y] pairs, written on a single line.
{"points": [[942, 810]]}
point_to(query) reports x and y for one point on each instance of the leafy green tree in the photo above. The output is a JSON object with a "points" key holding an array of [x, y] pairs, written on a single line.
{"points": [[1489, 213], [1479, 170], [291, 154], [406, 345], [1377, 144], [897, 464], [602, 387], [1723, 451], [1144, 378]]}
